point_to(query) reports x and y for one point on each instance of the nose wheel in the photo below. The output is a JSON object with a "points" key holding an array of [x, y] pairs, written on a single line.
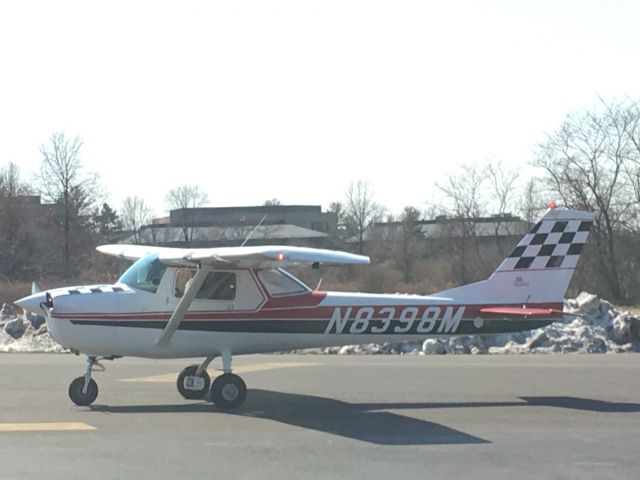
{"points": [[80, 395], [84, 390]]}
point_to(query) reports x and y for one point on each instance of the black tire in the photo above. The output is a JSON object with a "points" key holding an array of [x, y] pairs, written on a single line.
{"points": [[190, 394], [228, 391], [79, 398]]}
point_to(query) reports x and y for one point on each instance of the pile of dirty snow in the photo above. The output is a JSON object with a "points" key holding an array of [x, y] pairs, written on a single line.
{"points": [[24, 333], [599, 327]]}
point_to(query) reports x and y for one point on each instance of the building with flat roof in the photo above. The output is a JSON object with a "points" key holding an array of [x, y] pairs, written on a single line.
{"points": [[228, 226], [307, 216], [446, 228]]}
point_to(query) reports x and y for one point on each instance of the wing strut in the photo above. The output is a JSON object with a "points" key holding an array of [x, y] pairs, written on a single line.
{"points": [[184, 304]]}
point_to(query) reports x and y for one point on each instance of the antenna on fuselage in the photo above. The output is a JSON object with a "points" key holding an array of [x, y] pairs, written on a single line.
{"points": [[253, 231]]}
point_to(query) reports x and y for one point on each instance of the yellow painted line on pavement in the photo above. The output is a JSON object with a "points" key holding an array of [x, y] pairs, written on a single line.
{"points": [[44, 427], [171, 377]]}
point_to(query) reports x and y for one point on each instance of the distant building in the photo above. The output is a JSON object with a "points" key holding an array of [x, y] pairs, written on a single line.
{"points": [[303, 225], [444, 227], [229, 226], [307, 216]]}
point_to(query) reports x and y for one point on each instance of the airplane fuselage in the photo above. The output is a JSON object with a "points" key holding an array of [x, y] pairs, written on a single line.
{"points": [[119, 320]]}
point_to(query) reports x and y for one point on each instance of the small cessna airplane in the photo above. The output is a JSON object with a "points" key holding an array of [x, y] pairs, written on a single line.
{"points": [[181, 303]]}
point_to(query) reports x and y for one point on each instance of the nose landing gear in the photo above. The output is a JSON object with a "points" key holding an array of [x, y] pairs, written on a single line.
{"points": [[84, 390]]}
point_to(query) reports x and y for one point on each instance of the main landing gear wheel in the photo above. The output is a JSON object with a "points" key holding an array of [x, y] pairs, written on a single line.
{"points": [[79, 395], [192, 387], [228, 391]]}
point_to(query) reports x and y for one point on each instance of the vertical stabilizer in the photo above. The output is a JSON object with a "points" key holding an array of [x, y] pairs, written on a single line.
{"points": [[540, 267]]}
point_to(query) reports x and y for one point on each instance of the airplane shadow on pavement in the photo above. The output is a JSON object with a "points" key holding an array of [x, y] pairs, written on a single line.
{"points": [[351, 420], [325, 415], [368, 422], [577, 403], [574, 403]]}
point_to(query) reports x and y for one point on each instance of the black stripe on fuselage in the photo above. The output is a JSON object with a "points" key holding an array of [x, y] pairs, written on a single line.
{"points": [[466, 327]]}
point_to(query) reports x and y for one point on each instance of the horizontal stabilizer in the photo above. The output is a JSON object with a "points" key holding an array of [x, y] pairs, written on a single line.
{"points": [[523, 312]]}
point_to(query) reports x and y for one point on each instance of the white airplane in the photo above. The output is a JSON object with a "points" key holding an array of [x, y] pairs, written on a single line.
{"points": [[183, 303]]}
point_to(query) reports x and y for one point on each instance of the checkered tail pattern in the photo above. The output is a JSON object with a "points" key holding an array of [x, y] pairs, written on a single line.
{"points": [[555, 242]]}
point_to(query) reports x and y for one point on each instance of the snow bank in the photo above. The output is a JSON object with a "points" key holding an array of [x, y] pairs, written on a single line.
{"points": [[598, 328], [25, 333]]}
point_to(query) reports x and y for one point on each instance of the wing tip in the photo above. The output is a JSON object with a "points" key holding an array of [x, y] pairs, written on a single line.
{"points": [[107, 248]]}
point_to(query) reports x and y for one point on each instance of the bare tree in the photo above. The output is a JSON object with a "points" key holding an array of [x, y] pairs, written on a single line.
{"points": [[407, 242], [360, 210], [272, 202], [466, 205], [629, 125], [11, 182], [187, 196], [464, 192], [183, 198], [502, 183], [16, 241], [64, 182], [135, 214], [503, 187], [587, 164], [530, 204]]}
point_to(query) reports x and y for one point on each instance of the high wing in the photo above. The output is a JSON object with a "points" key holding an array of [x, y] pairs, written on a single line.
{"points": [[523, 312], [238, 257]]}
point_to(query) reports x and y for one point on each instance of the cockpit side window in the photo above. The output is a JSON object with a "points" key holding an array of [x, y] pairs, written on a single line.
{"points": [[217, 285], [280, 283], [145, 274]]}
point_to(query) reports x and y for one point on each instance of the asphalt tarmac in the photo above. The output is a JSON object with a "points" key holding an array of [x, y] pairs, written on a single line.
{"points": [[498, 417]]}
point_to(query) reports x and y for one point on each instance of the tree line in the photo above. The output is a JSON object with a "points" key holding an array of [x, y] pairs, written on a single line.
{"points": [[590, 162], [57, 240]]}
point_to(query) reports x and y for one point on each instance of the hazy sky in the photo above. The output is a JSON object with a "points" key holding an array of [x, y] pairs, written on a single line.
{"points": [[295, 99]]}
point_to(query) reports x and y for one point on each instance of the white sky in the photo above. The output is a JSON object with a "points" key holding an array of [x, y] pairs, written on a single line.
{"points": [[295, 99]]}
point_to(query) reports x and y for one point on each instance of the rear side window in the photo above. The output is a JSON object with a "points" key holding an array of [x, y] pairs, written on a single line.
{"points": [[217, 285]]}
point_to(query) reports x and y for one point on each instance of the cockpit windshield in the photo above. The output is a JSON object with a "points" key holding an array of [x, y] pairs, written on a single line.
{"points": [[145, 274]]}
